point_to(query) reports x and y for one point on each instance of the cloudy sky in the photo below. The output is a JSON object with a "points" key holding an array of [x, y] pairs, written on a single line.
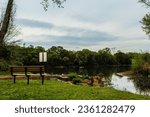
{"points": [[91, 24]]}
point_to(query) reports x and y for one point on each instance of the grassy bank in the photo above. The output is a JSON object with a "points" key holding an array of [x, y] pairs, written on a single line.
{"points": [[53, 90]]}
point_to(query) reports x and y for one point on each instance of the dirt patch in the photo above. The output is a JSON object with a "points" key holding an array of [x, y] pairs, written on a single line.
{"points": [[5, 77]]}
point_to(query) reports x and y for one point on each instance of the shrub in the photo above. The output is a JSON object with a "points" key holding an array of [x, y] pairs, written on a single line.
{"points": [[137, 62], [84, 77], [4, 66], [77, 80], [145, 69], [72, 75]]}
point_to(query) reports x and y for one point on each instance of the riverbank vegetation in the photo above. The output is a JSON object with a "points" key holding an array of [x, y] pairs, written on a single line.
{"points": [[141, 63], [58, 56], [54, 90]]}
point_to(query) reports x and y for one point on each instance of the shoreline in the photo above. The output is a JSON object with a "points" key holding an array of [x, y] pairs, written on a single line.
{"points": [[125, 73]]}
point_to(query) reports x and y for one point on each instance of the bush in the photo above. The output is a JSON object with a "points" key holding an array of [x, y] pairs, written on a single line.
{"points": [[85, 77], [77, 80], [145, 69], [4, 66], [137, 62], [72, 75]]}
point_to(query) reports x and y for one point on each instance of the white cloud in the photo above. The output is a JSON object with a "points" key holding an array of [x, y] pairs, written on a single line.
{"points": [[92, 24]]}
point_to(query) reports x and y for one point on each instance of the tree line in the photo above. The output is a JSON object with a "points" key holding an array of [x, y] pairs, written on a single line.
{"points": [[58, 56]]}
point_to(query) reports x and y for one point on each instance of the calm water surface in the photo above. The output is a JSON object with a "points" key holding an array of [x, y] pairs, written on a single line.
{"points": [[126, 84], [137, 86]]}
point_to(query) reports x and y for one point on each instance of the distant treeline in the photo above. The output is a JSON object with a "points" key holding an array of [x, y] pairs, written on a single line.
{"points": [[58, 56]]}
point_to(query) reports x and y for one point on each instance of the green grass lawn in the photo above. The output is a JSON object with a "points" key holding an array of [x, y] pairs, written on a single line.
{"points": [[54, 90]]}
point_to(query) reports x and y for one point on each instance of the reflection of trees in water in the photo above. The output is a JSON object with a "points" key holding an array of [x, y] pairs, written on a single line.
{"points": [[106, 70], [142, 83]]}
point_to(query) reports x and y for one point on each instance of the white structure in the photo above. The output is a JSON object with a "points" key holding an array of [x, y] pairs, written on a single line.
{"points": [[43, 57]]}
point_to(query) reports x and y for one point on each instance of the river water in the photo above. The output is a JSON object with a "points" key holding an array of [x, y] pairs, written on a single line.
{"points": [[138, 86], [126, 84]]}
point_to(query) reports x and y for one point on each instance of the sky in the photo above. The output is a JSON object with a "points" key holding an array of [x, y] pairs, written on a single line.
{"points": [[90, 24]]}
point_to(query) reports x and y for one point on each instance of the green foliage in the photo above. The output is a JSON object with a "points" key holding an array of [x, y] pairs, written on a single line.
{"points": [[141, 63], [85, 58], [72, 75], [136, 63], [85, 77], [139, 59], [58, 56], [4, 66], [122, 58], [104, 57], [146, 57], [146, 24], [4, 53], [77, 80], [4, 73], [146, 19], [143, 83]]}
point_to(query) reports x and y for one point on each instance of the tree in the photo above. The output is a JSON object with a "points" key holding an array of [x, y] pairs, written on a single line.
{"points": [[7, 27], [104, 57], [6, 22], [146, 24], [146, 20], [123, 58], [146, 2], [59, 3]]}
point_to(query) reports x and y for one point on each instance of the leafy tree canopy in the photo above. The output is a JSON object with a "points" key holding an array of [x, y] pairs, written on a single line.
{"points": [[146, 20], [59, 3], [146, 2], [146, 24]]}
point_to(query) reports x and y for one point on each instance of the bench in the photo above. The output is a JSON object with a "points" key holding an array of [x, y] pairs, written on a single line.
{"points": [[27, 71]]}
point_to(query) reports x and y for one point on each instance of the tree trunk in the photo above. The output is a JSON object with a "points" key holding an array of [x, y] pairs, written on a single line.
{"points": [[6, 21]]}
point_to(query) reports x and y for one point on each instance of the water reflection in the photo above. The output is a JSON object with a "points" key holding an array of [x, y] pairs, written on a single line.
{"points": [[143, 84], [126, 84], [137, 85], [107, 70]]}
